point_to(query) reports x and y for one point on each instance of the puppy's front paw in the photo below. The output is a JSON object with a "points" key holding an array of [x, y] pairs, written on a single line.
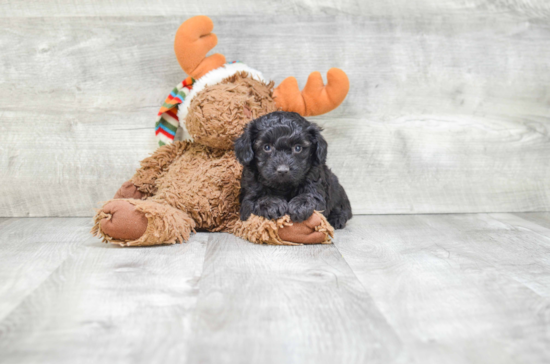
{"points": [[299, 209], [271, 207]]}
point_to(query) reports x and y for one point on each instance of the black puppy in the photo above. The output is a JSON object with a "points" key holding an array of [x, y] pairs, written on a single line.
{"points": [[284, 172]]}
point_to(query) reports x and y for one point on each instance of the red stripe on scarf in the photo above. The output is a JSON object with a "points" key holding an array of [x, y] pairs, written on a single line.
{"points": [[161, 130]]}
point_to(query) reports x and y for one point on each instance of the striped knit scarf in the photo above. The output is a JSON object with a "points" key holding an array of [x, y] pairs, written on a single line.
{"points": [[167, 120]]}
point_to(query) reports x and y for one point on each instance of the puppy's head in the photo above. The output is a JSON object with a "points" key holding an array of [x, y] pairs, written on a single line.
{"points": [[281, 147]]}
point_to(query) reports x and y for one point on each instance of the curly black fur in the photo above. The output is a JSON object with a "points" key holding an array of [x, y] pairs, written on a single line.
{"points": [[284, 172]]}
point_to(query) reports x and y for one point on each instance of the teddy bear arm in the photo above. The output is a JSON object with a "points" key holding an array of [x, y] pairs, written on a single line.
{"points": [[152, 167]]}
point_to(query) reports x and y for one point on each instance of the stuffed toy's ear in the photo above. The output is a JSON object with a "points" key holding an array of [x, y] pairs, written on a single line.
{"points": [[321, 146], [194, 39], [316, 98], [243, 146]]}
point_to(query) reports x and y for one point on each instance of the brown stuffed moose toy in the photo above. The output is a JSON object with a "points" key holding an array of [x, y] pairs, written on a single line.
{"points": [[194, 184]]}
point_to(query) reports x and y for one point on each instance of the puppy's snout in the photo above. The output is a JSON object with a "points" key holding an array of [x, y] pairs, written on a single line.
{"points": [[282, 170]]}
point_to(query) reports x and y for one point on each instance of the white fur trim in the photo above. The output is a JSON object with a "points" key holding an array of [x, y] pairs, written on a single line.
{"points": [[211, 78]]}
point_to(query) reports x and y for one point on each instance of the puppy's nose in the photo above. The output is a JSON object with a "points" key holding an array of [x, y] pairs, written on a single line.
{"points": [[282, 169]]}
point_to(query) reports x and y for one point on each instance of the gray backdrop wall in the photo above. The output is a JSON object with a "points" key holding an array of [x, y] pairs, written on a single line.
{"points": [[448, 109]]}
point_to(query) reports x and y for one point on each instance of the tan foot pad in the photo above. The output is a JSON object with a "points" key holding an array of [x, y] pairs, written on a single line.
{"points": [[122, 221], [314, 230]]}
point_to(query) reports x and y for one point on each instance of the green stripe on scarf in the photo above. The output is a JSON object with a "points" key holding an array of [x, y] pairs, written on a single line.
{"points": [[167, 125]]}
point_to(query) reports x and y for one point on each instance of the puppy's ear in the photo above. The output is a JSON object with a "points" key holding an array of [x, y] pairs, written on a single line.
{"points": [[243, 145], [321, 146]]}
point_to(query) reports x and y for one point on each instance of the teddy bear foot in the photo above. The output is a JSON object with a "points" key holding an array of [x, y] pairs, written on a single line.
{"points": [[122, 221], [314, 230], [141, 223]]}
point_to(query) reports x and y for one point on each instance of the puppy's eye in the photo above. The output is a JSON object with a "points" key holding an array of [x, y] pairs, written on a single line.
{"points": [[297, 148], [267, 148]]}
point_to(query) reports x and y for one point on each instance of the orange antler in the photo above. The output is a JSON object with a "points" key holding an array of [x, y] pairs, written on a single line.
{"points": [[316, 98], [194, 39]]}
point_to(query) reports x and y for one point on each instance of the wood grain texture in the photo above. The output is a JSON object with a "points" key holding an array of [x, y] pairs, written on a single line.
{"points": [[265, 304], [471, 288], [446, 113], [60, 8], [71, 162], [31, 250], [440, 164], [456, 288], [67, 297], [250, 303]]}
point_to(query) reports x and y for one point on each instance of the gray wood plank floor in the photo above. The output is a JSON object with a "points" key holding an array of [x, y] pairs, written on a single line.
{"points": [[470, 288]]}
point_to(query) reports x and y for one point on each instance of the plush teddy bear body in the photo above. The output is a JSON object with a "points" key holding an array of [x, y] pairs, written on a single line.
{"points": [[204, 182]]}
